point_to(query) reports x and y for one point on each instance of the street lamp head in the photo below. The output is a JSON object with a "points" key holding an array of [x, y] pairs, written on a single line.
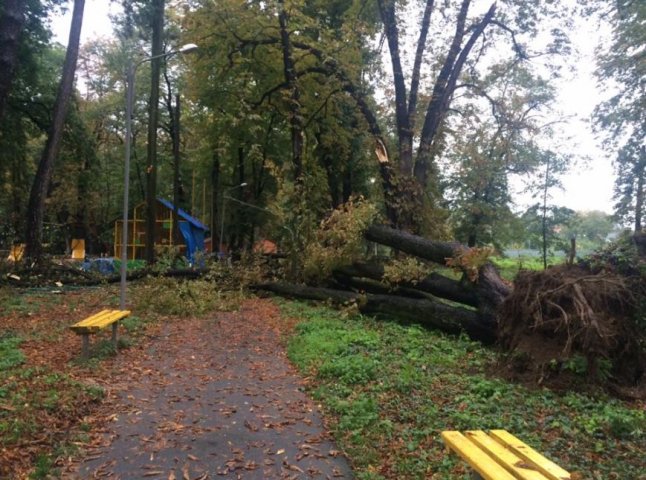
{"points": [[188, 48], [243, 184]]}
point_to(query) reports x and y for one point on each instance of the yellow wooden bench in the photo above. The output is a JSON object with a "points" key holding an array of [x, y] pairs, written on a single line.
{"points": [[499, 455], [96, 322]]}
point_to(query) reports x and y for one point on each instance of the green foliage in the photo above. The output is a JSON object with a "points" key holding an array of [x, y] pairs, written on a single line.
{"points": [[427, 382], [132, 324], [556, 220], [470, 260], [621, 118], [168, 257], [339, 239], [406, 269]]}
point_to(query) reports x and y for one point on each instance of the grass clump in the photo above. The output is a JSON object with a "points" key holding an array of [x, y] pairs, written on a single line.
{"points": [[392, 389], [10, 353]]}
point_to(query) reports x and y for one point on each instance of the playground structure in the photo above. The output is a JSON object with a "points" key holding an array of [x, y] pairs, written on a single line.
{"points": [[192, 232]]}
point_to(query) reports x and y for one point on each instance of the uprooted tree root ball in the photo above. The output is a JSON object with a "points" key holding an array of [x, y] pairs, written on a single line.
{"points": [[570, 320]]}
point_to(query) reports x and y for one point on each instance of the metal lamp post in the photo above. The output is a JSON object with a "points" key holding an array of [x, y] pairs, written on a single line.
{"points": [[224, 204], [130, 96]]}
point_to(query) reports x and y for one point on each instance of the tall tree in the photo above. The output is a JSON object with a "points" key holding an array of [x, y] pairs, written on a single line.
{"points": [[157, 24], [36, 207], [485, 152], [289, 68], [12, 20], [622, 118]]}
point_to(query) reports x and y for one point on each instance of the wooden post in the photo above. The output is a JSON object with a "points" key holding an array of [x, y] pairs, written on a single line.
{"points": [[114, 336], [85, 350], [572, 254]]}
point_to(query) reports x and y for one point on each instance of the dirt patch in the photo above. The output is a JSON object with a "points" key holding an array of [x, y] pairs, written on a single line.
{"points": [[568, 323]]}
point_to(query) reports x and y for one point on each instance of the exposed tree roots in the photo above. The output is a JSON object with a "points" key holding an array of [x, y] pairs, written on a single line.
{"points": [[555, 317]]}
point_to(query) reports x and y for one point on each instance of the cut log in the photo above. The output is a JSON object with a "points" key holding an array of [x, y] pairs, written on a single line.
{"points": [[426, 312]]}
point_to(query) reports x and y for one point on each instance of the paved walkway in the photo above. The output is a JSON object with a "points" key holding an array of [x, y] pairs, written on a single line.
{"points": [[216, 398]]}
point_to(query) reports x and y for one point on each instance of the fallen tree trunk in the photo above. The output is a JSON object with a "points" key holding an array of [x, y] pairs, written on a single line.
{"points": [[490, 289], [427, 312], [432, 250], [435, 284], [367, 285], [23, 279]]}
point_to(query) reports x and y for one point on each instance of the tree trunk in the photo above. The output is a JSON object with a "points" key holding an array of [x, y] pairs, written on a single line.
{"points": [[435, 284], [641, 186], [544, 218], [445, 86], [426, 312], [404, 131], [153, 114], [432, 250], [11, 24], [215, 183], [490, 289], [177, 181], [35, 210], [295, 117]]}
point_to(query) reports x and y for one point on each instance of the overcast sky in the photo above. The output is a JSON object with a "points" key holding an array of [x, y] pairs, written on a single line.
{"points": [[586, 187]]}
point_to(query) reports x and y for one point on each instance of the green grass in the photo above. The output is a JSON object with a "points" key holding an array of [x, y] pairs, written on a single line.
{"points": [[392, 389], [509, 267], [10, 353]]}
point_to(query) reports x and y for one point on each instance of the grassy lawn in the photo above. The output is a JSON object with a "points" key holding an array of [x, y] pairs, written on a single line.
{"points": [[391, 389], [510, 266]]}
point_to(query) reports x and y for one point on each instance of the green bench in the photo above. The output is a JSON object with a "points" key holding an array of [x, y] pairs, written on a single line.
{"points": [[97, 322], [498, 455]]}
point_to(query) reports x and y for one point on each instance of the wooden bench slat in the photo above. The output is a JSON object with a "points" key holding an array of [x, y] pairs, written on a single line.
{"points": [[517, 466], [91, 318], [482, 463], [96, 322], [550, 469]]}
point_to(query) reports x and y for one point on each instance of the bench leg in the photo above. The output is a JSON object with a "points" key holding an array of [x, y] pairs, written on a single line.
{"points": [[476, 476], [114, 335], [85, 349]]}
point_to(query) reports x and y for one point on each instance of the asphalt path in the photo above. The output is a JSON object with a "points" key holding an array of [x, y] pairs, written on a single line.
{"points": [[215, 398]]}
